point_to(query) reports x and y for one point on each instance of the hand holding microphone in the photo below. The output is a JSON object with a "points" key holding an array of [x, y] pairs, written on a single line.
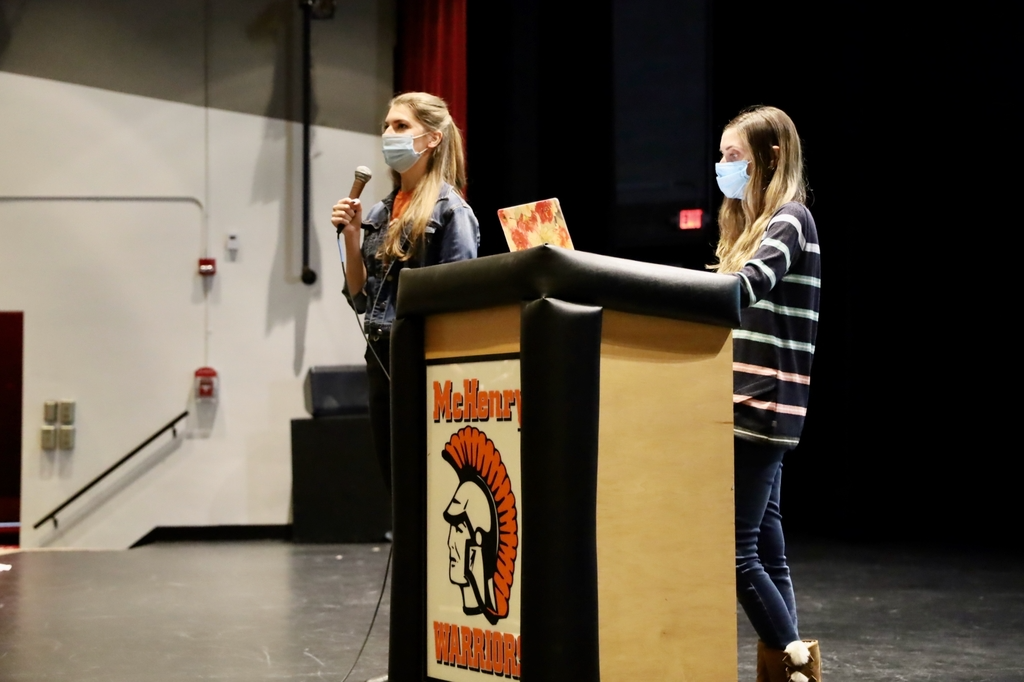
{"points": [[348, 212]]}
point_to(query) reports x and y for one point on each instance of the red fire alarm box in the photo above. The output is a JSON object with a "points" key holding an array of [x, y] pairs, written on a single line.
{"points": [[206, 384], [207, 266]]}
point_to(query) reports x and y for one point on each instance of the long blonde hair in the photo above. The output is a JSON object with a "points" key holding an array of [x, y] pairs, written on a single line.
{"points": [[775, 179], [447, 163]]}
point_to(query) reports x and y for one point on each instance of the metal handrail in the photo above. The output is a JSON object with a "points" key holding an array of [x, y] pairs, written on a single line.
{"points": [[170, 426]]}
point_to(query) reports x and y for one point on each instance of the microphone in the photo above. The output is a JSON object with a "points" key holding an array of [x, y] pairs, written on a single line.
{"points": [[363, 175]]}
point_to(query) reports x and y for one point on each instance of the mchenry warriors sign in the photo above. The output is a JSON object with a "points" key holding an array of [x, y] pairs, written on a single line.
{"points": [[473, 519]]}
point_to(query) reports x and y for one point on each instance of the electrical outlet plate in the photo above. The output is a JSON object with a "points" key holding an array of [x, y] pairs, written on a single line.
{"points": [[48, 437], [66, 437], [66, 411]]}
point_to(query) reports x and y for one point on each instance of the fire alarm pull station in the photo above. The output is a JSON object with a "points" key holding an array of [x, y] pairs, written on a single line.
{"points": [[206, 384], [207, 266]]}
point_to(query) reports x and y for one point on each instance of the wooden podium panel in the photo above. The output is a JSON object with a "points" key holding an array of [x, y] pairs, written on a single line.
{"points": [[492, 331], [665, 554]]}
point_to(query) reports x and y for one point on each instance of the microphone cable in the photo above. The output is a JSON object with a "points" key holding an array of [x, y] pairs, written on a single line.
{"points": [[344, 272], [376, 610]]}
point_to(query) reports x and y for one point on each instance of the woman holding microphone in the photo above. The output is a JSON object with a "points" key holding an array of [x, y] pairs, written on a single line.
{"points": [[424, 221], [770, 243]]}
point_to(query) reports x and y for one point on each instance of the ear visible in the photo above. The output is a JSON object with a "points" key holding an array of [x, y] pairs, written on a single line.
{"points": [[435, 139], [775, 156]]}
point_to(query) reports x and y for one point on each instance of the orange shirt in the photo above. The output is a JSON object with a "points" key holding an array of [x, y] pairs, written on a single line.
{"points": [[402, 200]]}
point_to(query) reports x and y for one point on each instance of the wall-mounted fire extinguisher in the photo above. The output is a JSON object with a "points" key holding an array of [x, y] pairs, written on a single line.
{"points": [[206, 385]]}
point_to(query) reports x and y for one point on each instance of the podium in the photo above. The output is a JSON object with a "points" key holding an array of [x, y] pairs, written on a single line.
{"points": [[562, 471]]}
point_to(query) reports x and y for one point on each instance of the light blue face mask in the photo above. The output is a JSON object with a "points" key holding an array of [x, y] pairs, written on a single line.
{"points": [[732, 178], [399, 152]]}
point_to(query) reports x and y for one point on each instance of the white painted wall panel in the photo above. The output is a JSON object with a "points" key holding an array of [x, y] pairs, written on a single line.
{"points": [[117, 317], [113, 319], [60, 138]]}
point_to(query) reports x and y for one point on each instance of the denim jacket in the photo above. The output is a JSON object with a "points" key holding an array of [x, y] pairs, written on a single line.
{"points": [[452, 234]]}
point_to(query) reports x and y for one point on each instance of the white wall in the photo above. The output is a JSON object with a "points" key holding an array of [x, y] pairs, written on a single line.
{"points": [[117, 318]]}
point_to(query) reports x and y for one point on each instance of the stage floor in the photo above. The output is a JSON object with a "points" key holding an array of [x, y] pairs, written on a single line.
{"points": [[273, 610]]}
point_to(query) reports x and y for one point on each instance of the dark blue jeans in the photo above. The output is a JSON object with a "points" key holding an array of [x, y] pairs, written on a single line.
{"points": [[763, 585]]}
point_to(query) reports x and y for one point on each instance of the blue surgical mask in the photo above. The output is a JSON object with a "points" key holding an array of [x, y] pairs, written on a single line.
{"points": [[399, 152], [732, 178]]}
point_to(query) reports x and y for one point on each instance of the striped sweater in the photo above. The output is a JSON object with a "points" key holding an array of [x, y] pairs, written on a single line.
{"points": [[774, 347]]}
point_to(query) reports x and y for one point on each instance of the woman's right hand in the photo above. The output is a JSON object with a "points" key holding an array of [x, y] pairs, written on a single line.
{"points": [[348, 214]]}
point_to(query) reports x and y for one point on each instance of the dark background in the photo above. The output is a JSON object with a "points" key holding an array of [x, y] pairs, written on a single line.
{"points": [[902, 441]]}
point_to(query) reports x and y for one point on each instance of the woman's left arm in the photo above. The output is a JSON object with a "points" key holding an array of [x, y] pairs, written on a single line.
{"points": [[781, 246], [460, 235]]}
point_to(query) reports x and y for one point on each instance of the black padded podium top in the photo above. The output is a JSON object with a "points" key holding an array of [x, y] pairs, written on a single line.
{"points": [[574, 276]]}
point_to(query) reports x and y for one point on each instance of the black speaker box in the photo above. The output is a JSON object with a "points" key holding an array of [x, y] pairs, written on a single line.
{"points": [[338, 493], [333, 390]]}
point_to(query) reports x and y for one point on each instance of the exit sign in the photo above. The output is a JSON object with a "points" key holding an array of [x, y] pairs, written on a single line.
{"points": [[691, 218]]}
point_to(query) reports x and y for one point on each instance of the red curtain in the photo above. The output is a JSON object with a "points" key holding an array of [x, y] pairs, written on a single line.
{"points": [[431, 54]]}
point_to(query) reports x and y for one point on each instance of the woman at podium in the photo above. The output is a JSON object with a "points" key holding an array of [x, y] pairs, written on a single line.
{"points": [[769, 241], [424, 221]]}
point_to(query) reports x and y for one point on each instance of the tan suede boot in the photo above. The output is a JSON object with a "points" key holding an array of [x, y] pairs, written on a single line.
{"points": [[800, 662], [770, 664]]}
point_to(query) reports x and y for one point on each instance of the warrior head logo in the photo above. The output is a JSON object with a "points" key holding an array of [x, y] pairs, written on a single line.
{"points": [[484, 535]]}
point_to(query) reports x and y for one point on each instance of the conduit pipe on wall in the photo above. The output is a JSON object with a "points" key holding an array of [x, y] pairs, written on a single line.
{"points": [[308, 274], [168, 199], [172, 199], [311, 9]]}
